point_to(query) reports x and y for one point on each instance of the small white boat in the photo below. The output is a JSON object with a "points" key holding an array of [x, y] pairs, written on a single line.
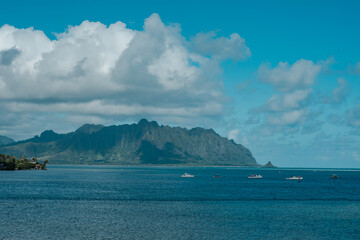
{"points": [[334, 176], [294, 178], [187, 175], [254, 176]]}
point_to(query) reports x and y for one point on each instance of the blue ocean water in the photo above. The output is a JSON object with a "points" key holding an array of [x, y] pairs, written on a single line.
{"points": [[114, 202]]}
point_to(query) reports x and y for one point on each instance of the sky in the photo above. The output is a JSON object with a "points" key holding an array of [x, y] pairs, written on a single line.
{"points": [[281, 78]]}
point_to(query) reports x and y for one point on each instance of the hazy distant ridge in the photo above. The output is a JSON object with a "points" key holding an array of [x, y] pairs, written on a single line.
{"points": [[5, 140], [142, 143]]}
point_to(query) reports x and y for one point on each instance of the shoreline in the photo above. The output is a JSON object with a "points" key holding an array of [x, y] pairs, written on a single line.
{"points": [[205, 166]]}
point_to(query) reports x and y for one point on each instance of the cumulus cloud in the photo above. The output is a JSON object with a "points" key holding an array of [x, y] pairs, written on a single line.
{"points": [[287, 109], [287, 101], [99, 71], [233, 134], [233, 47], [288, 118], [286, 77], [340, 93], [8, 56]]}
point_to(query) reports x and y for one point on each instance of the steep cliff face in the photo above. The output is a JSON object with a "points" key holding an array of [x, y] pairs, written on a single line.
{"points": [[142, 143]]}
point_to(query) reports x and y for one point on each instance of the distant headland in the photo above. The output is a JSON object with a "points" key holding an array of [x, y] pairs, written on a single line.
{"points": [[142, 143], [11, 163]]}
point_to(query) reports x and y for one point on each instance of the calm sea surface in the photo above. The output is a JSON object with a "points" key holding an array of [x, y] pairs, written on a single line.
{"points": [[113, 202]]}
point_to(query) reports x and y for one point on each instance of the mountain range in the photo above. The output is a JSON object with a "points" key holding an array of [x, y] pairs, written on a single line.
{"points": [[134, 144]]}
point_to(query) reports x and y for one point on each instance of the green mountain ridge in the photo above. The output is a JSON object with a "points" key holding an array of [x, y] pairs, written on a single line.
{"points": [[136, 144], [5, 140]]}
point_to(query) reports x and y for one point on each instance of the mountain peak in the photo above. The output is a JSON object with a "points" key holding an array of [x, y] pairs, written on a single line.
{"points": [[143, 122], [47, 133], [48, 136], [5, 140], [89, 128]]}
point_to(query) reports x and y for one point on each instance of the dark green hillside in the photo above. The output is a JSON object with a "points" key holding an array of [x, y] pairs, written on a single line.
{"points": [[142, 143]]}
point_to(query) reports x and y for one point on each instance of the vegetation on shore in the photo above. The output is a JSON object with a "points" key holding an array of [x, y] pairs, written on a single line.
{"points": [[11, 163]]}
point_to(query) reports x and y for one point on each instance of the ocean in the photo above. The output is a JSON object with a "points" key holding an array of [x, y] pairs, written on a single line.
{"points": [[115, 202]]}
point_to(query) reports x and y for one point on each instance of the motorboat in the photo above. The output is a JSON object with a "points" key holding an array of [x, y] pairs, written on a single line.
{"points": [[217, 176], [334, 176], [295, 178], [187, 175], [254, 176]]}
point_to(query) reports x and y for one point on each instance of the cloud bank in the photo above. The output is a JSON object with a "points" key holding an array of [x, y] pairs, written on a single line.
{"points": [[94, 71], [288, 107]]}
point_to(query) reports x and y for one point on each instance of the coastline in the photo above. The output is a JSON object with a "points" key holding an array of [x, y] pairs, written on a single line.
{"points": [[204, 166]]}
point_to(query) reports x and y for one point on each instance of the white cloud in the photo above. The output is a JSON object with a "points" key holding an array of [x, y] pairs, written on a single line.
{"points": [[233, 47], [287, 77], [112, 109], [172, 69], [288, 118], [233, 134], [100, 71], [288, 101], [340, 93], [287, 109], [29, 42], [74, 66], [8, 56]]}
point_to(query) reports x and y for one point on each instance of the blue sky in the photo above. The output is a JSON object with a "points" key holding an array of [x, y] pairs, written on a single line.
{"points": [[280, 77]]}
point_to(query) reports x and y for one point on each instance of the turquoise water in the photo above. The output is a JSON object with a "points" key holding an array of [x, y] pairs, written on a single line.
{"points": [[103, 202]]}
